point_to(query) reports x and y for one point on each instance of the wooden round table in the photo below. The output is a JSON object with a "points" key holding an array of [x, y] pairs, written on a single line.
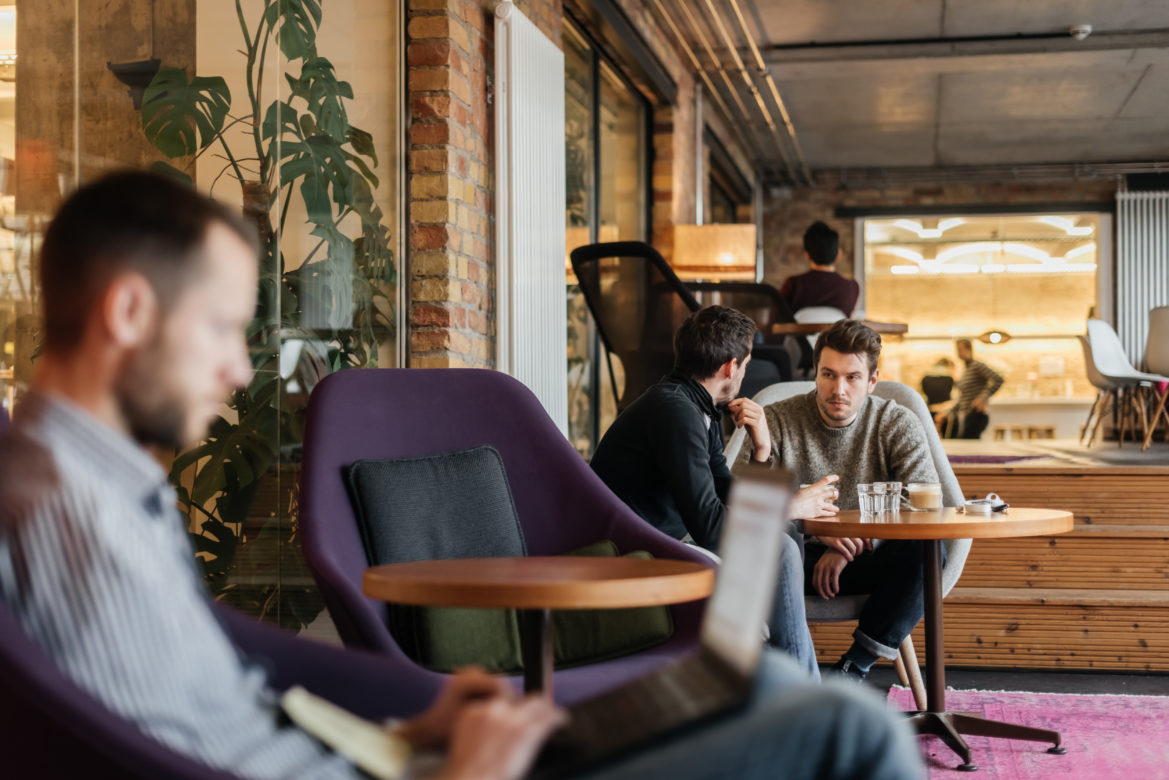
{"points": [[537, 585], [932, 527]]}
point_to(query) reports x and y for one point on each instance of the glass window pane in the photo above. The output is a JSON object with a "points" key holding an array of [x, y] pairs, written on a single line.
{"points": [[1031, 279], [622, 150]]}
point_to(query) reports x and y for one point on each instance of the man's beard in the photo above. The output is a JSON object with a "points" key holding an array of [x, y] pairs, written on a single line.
{"points": [[153, 415]]}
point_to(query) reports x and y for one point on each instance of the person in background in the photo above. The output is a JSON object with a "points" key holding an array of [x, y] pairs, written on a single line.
{"points": [[938, 388], [968, 416], [821, 285], [148, 292]]}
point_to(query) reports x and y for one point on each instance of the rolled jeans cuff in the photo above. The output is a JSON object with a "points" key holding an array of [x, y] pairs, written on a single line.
{"points": [[875, 647]]}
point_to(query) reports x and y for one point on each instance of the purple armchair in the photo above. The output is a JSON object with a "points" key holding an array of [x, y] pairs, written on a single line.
{"points": [[562, 505], [52, 728]]}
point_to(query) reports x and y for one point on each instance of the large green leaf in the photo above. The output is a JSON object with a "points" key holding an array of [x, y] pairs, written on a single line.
{"points": [[182, 116], [296, 23], [319, 88]]}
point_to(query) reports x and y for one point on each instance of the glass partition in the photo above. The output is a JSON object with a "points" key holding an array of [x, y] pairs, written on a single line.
{"points": [[292, 116], [606, 136], [1020, 286]]}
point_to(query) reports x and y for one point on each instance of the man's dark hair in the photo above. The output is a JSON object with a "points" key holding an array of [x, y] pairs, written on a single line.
{"points": [[710, 337], [822, 243], [126, 221], [965, 343], [850, 337]]}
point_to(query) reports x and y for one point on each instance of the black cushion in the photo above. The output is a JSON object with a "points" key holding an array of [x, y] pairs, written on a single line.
{"points": [[450, 505], [459, 505]]}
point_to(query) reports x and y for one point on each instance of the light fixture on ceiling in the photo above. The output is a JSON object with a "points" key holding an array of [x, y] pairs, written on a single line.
{"points": [[995, 336]]}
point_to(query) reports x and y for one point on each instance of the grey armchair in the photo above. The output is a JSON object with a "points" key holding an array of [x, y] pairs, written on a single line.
{"points": [[845, 608]]}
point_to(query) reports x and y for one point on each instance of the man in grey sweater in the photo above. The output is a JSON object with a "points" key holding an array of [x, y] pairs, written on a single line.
{"points": [[840, 429]]}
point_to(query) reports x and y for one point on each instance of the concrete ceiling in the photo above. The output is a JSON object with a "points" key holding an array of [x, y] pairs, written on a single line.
{"points": [[946, 83]]}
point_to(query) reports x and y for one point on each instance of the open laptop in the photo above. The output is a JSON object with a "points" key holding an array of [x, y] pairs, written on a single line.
{"points": [[720, 676]]}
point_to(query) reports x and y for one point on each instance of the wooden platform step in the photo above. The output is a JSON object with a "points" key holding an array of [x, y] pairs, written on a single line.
{"points": [[1041, 628], [1112, 496], [1114, 557]]}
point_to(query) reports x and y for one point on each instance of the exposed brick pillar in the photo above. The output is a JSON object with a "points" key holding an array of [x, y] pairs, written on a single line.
{"points": [[451, 263], [452, 253]]}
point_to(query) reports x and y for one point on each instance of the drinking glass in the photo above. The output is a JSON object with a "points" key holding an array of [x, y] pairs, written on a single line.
{"points": [[890, 496], [870, 498]]}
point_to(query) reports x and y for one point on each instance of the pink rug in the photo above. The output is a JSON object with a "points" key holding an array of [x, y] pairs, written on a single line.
{"points": [[1122, 737]]}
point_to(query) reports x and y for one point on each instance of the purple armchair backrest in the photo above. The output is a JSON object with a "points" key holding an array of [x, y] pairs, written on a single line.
{"points": [[396, 413]]}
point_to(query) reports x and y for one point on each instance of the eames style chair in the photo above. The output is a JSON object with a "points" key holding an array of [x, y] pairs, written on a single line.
{"points": [[561, 504], [1106, 391], [53, 728], [845, 608], [818, 314], [638, 302], [1157, 362], [1133, 386]]}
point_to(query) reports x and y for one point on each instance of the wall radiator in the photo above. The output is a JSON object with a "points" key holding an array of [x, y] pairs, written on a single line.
{"points": [[1142, 265], [531, 324]]}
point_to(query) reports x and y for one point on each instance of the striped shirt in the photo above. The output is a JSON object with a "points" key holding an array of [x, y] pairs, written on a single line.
{"points": [[96, 564], [978, 381]]}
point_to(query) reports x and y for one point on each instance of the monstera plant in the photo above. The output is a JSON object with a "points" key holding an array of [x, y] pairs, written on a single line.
{"points": [[299, 146]]}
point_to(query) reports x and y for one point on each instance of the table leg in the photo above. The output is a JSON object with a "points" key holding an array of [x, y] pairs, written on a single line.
{"points": [[936, 720], [536, 649]]}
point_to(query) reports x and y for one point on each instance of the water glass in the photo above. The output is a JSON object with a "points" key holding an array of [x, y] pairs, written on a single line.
{"points": [[890, 496], [871, 500]]}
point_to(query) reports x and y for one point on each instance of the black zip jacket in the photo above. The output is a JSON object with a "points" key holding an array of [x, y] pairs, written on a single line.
{"points": [[663, 456]]}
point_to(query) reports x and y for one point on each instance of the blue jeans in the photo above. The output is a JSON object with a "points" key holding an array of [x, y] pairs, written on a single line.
{"points": [[893, 575], [789, 621], [794, 729]]}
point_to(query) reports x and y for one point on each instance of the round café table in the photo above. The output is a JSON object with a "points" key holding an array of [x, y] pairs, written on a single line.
{"points": [[537, 585], [932, 527]]}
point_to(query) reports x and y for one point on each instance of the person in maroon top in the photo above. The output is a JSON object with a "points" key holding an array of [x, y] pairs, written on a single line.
{"points": [[821, 286]]}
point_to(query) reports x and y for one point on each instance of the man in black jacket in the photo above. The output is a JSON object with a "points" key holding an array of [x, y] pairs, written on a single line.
{"points": [[663, 456]]}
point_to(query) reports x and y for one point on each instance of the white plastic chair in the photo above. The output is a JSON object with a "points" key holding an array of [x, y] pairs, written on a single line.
{"points": [[846, 608], [1157, 361], [1112, 364], [1106, 391], [818, 314]]}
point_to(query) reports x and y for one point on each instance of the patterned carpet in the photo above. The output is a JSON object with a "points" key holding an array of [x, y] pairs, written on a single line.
{"points": [[1106, 736]]}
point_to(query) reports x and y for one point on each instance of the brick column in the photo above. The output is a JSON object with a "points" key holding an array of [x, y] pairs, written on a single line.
{"points": [[452, 254], [450, 244]]}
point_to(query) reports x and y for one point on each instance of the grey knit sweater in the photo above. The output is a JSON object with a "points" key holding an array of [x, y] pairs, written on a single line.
{"points": [[885, 443]]}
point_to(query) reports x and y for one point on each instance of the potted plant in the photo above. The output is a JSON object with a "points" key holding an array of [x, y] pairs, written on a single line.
{"points": [[298, 147]]}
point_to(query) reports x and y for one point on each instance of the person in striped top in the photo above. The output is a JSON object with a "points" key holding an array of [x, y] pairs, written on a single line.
{"points": [[968, 415]]}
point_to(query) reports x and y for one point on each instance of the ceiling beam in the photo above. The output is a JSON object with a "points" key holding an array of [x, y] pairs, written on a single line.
{"points": [[985, 46]]}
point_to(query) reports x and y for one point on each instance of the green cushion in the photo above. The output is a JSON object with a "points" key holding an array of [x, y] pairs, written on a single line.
{"points": [[447, 638]]}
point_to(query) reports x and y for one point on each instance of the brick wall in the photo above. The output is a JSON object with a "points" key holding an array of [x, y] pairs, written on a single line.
{"points": [[451, 263], [787, 214]]}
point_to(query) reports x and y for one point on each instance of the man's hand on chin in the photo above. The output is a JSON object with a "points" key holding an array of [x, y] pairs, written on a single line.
{"points": [[748, 414]]}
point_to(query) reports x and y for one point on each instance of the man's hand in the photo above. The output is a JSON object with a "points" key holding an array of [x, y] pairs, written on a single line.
{"points": [[432, 729], [816, 500], [826, 574], [498, 739], [979, 405], [748, 414], [847, 546]]}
